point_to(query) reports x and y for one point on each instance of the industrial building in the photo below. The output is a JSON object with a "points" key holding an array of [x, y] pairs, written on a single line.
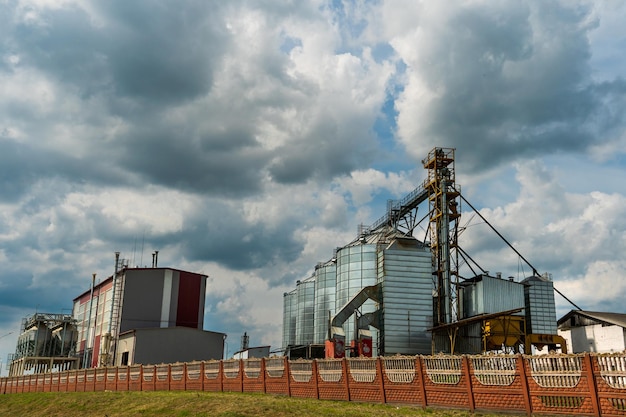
{"points": [[388, 292], [593, 331], [136, 316], [46, 343], [144, 315], [168, 345]]}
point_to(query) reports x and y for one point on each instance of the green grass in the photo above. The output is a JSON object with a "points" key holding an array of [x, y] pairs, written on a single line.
{"points": [[195, 404]]}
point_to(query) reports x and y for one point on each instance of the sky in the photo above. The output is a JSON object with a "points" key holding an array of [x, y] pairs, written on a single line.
{"points": [[247, 139]]}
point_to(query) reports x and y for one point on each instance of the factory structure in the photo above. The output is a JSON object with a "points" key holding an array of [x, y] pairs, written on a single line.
{"points": [[135, 316], [388, 292], [46, 341]]}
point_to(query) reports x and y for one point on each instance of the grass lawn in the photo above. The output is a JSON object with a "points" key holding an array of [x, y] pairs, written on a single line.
{"points": [[195, 404]]}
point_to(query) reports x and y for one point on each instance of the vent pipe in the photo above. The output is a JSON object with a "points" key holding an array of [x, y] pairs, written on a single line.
{"points": [[87, 336]]}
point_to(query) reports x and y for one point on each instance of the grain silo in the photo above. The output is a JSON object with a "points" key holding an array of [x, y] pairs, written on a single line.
{"points": [[325, 291], [290, 312], [384, 289], [405, 274], [540, 306], [356, 269], [396, 294], [305, 294]]}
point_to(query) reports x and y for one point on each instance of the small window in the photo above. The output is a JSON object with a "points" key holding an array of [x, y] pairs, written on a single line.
{"points": [[124, 361]]}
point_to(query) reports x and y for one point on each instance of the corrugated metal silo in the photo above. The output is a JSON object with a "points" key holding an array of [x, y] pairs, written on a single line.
{"points": [[305, 292], [290, 310], [540, 307], [405, 271], [325, 291], [356, 269]]}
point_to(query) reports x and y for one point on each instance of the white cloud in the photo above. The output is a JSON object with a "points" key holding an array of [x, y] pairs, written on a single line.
{"points": [[578, 238]]}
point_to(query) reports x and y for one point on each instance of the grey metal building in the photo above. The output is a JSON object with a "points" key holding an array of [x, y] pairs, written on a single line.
{"points": [[168, 345], [142, 298]]}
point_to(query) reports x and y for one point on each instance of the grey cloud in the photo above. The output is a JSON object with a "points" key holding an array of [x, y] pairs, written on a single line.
{"points": [[515, 82], [22, 166], [229, 163], [164, 50], [154, 52], [324, 153], [142, 62], [67, 47], [218, 233], [47, 296]]}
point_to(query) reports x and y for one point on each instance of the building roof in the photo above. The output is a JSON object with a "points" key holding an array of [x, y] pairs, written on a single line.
{"points": [[384, 234], [617, 319]]}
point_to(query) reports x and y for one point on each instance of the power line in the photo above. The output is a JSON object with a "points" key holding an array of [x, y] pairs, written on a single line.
{"points": [[515, 250]]}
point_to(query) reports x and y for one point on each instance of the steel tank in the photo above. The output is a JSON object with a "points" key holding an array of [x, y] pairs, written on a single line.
{"points": [[356, 269], [305, 293], [405, 274], [290, 308], [325, 297], [540, 306]]}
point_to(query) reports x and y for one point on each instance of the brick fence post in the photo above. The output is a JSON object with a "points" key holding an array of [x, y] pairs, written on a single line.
{"points": [[346, 377], [419, 368], [524, 377], [287, 370], [263, 375], [465, 365], [314, 376], [593, 388], [379, 371]]}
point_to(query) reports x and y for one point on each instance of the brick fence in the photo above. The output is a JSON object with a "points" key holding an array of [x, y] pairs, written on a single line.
{"points": [[586, 384]]}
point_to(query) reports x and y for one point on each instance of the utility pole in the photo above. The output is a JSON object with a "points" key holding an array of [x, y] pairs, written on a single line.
{"points": [[85, 352]]}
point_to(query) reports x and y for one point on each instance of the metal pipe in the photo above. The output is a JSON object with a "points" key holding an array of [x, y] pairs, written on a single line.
{"points": [[444, 244], [117, 258], [93, 281]]}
